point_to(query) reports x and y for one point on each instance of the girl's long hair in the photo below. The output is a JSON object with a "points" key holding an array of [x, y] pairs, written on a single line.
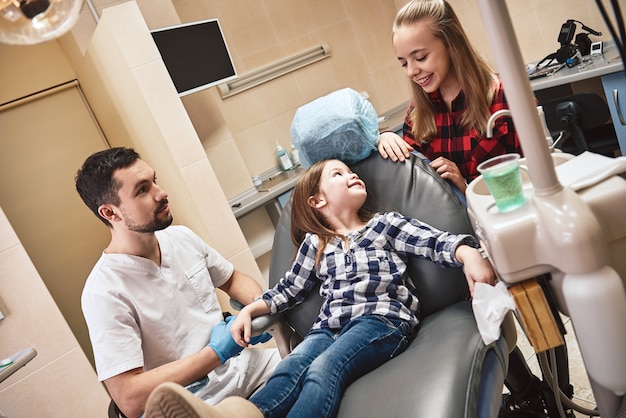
{"points": [[305, 218], [477, 79]]}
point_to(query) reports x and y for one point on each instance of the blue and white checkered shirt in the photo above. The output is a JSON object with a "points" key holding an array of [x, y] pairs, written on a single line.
{"points": [[367, 277]]}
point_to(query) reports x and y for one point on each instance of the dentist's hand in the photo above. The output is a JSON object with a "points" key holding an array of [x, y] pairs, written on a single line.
{"points": [[240, 331], [222, 342]]}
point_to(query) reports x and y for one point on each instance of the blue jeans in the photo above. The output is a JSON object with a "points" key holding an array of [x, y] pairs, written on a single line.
{"points": [[310, 381]]}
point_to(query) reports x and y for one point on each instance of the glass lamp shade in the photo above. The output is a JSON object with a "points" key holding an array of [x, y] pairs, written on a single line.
{"points": [[27, 22]]}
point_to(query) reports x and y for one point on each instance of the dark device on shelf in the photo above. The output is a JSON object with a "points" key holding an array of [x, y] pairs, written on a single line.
{"points": [[582, 44]]}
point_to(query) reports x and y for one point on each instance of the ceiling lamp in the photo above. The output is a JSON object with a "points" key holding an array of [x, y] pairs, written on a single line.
{"points": [[27, 22]]}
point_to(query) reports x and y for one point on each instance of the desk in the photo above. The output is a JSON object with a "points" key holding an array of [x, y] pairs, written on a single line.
{"points": [[272, 195], [609, 68], [607, 63], [266, 194]]}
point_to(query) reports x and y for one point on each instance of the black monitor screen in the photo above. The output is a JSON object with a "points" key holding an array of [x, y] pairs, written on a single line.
{"points": [[195, 54]]}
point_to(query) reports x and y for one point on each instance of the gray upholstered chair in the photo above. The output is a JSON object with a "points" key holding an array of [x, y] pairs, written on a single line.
{"points": [[447, 371]]}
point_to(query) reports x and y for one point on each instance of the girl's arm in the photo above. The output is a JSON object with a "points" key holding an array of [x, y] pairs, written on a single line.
{"points": [[240, 329], [476, 268]]}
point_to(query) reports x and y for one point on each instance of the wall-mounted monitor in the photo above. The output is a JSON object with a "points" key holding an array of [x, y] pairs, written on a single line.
{"points": [[195, 54]]}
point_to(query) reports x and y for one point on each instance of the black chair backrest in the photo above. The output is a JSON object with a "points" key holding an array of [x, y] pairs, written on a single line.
{"points": [[413, 189], [590, 109], [583, 118]]}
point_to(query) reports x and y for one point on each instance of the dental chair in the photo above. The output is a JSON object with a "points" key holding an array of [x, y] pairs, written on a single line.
{"points": [[447, 371]]}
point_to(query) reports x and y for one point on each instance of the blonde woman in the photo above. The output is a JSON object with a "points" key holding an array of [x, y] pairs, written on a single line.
{"points": [[454, 93]]}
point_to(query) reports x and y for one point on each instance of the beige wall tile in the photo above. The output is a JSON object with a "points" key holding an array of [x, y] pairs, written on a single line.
{"points": [[66, 387], [326, 13], [247, 27], [204, 110], [230, 167], [242, 111], [8, 237], [44, 70], [31, 316], [258, 230], [158, 13], [165, 114], [278, 96], [48, 384], [358, 31], [222, 230], [290, 18], [243, 263], [258, 143], [325, 72]]}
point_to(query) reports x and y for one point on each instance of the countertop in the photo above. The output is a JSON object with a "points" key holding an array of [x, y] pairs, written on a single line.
{"points": [[271, 188], [393, 119], [607, 63]]}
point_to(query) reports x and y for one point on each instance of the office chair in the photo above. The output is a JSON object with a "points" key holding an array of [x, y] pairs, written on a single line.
{"points": [[581, 119], [447, 371]]}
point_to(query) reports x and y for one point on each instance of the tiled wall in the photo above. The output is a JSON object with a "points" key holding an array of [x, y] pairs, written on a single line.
{"points": [[238, 133], [59, 381]]}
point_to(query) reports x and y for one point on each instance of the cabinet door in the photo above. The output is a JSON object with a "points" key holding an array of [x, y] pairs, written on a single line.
{"points": [[40, 150], [615, 91]]}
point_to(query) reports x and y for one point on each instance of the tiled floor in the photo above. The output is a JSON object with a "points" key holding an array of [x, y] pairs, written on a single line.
{"points": [[583, 395]]}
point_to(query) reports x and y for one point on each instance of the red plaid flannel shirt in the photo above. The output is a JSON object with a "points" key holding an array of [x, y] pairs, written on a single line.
{"points": [[466, 147]]}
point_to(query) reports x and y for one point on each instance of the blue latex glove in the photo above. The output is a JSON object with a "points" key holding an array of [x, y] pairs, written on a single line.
{"points": [[222, 342], [263, 338]]}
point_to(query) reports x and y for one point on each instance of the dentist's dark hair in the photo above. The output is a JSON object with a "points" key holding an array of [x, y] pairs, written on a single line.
{"points": [[94, 180]]}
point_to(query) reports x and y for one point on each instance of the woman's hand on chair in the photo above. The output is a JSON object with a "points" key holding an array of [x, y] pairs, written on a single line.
{"points": [[391, 145]]}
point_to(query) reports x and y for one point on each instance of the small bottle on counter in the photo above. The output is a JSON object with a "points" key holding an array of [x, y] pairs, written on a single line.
{"points": [[295, 157], [283, 158]]}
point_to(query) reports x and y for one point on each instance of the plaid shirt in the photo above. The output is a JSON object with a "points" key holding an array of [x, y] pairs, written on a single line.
{"points": [[366, 278], [466, 147]]}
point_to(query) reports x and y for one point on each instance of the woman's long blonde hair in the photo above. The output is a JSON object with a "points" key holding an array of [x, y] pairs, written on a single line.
{"points": [[305, 218], [473, 72]]}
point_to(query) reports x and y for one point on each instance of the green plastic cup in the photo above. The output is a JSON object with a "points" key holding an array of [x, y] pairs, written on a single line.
{"points": [[504, 181]]}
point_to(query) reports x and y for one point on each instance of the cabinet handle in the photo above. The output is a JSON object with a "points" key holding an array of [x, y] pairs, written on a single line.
{"points": [[619, 111]]}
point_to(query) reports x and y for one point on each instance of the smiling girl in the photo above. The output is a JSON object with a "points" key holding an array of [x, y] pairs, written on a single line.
{"points": [[454, 92]]}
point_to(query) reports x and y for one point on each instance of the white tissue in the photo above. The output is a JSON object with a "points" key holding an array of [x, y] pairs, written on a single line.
{"points": [[588, 169], [491, 304]]}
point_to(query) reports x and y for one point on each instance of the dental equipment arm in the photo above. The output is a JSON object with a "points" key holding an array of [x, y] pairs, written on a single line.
{"points": [[576, 237]]}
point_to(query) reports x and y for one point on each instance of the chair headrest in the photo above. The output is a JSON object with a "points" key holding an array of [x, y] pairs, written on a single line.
{"points": [[342, 125]]}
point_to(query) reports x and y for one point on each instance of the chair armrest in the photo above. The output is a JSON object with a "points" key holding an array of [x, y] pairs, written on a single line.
{"points": [[278, 328], [275, 325]]}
